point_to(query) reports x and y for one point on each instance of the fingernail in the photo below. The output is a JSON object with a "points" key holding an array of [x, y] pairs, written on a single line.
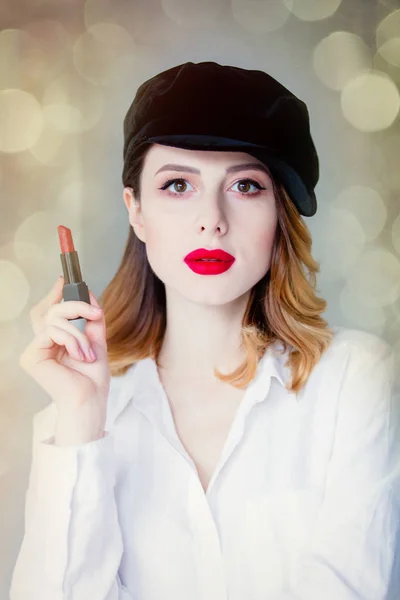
{"points": [[97, 309], [92, 354]]}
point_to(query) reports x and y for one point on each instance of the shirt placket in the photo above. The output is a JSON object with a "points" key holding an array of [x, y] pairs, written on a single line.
{"points": [[211, 567]]}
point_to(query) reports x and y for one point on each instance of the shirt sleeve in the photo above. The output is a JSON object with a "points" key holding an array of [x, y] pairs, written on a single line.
{"points": [[355, 550], [72, 543]]}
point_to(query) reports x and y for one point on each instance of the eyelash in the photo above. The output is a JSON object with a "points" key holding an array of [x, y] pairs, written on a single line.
{"points": [[170, 181]]}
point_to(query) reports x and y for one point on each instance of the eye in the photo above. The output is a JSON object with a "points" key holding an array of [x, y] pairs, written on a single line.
{"points": [[167, 184], [182, 183], [245, 182]]}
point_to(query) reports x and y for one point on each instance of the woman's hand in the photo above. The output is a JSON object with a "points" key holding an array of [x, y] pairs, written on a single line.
{"points": [[78, 386]]}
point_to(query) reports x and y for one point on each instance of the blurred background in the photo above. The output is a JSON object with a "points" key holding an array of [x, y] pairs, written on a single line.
{"points": [[69, 70]]}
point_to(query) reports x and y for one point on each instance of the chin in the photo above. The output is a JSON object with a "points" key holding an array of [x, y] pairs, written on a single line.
{"points": [[213, 296]]}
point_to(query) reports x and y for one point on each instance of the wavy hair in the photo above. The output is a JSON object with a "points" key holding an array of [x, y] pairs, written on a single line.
{"points": [[282, 306]]}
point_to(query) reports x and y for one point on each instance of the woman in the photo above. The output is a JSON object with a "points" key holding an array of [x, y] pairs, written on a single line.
{"points": [[225, 443]]}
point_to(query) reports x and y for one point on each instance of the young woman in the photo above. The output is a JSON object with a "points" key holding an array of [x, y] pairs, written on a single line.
{"points": [[225, 443]]}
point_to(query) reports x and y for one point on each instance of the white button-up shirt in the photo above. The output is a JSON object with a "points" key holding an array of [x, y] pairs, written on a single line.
{"points": [[304, 503]]}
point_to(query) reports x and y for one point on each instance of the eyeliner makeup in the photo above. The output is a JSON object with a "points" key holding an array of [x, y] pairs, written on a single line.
{"points": [[74, 286]]}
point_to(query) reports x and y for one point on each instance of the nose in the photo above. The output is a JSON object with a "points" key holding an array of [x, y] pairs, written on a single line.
{"points": [[212, 215]]}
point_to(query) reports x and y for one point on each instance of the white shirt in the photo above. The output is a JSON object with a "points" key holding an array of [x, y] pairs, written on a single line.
{"points": [[304, 503]]}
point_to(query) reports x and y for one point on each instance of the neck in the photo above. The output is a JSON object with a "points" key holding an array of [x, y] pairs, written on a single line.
{"points": [[200, 337]]}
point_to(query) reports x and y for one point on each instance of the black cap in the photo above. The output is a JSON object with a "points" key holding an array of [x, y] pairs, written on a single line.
{"points": [[208, 106]]}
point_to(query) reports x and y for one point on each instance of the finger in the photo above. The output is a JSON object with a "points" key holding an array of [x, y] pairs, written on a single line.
{"points": [[39, 358], [83, 341], [93, 299], [72, 309], [95, 328], [42, 348], [97, 335]]}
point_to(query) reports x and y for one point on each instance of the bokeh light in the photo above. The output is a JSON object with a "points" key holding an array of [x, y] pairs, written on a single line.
{"points": [[376, 277], [104, 52], [340, 57], [379, 63], [14, 281], [19, 53], [53, 149], [390, 51], [34, 54], [98, 11], [313, 10], [63, 117], [21, 120], [366, 205], [193, 13], [369, 318], [53, 46], [388, 38], [36, 242], [260, 17], [371, 101], [68, 90], [70, 198], [342, 241]]}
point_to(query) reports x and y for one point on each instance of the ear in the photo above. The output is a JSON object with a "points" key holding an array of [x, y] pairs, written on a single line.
{"points": [[135, 213]]}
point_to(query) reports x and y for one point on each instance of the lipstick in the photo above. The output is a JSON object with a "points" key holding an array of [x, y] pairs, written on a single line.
{"points": [[209, 262], [74, 287], [209, 268]]}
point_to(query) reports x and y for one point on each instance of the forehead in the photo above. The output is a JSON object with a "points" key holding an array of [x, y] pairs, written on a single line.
{"points": [[159, 155]]}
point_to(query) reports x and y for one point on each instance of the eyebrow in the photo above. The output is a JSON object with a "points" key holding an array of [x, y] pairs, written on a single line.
{"points": [[233, 169]]}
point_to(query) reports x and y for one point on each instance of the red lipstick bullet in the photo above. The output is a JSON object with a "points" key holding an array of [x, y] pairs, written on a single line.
{"points": [[74, 287]]}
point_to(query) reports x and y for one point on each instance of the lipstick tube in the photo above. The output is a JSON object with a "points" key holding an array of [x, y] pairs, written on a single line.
{"points": [[74, 287]]}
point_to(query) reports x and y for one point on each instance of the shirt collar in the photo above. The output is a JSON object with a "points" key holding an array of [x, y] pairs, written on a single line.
{"points": [[140, 383]]}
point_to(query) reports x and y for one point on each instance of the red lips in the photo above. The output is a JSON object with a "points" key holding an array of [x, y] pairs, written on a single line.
{"points": [[203, 253], [223, 261]]}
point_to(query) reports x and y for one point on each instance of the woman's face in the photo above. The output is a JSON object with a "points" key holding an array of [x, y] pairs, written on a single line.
{"points": [[211, 204]]}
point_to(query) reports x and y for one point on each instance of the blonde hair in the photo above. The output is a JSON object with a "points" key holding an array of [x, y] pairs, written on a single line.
{"points": [[282, 306]]}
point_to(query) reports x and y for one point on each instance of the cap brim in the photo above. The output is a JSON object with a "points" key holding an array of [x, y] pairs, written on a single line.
{"points": [[304, 199]]}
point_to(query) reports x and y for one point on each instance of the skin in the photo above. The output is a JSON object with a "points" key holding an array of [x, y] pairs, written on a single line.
{"points": [[206, 210]]}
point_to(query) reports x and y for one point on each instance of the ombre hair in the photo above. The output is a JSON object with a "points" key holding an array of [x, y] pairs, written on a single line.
{"points": [[282, 306]]}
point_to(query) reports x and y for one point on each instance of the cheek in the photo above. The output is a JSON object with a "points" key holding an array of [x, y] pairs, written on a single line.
{"points": [[161, 240], [264, 240], [262, 225]]}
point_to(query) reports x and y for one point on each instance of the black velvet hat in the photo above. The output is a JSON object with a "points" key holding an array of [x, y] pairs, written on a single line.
{"points": [[208, 106]]}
